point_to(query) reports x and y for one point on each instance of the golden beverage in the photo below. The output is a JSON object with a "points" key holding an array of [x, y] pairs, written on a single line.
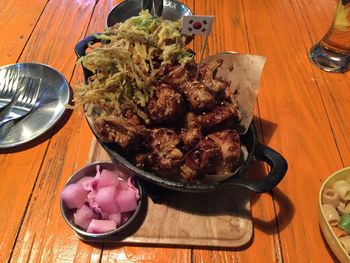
{"points": [[337, 39], [332, 52]]}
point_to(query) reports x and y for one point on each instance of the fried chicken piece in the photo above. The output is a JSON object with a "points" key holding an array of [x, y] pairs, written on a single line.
{"points": [[128, 113], [198, 96], [229, 143], [208, 72], [121, 131], [224, 115], [190, 136], [201, 159], [218, 153], [202, 96], [164, 156], [192, 133], [176, 76], [166, 105]]}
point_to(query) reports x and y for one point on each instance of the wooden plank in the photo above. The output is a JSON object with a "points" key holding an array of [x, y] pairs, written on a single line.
{"points": [[338, 110], [52, 42], [113, 253], [290, 100], [18, 166], [314, 18], [143, 253], [59, 35], [290, 84], [230, 34], [66, 153], [334, 88], [54, 240], [216, 219], [17, 21], [19, 171], [228, 30]]}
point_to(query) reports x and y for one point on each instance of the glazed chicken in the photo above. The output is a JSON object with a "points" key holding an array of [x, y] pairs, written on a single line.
{"points": [[208, 76], [201, 95], [177, 76], [121, 131], [198, 125], [217, 153], [225, 115], [166, 105], [164, 156], [191, 126], [192, 132], [198, 96], [131, 117], [229, 143], [201, 159]]}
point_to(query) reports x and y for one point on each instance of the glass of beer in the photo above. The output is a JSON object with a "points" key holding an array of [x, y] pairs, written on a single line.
{"points": [[332, 52]]}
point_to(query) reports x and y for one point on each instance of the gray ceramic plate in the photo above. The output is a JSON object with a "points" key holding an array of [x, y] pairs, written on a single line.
{"points": [[53, 95]]}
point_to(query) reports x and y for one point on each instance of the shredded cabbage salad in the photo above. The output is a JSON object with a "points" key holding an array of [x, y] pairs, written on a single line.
{"points": [[125, 67]]}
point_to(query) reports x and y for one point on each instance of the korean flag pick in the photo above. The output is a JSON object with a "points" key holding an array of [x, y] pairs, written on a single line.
{"points": [[193, 25]]}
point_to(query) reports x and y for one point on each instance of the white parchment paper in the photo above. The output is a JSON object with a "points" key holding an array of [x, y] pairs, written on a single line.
{"points": [[243, 72]]}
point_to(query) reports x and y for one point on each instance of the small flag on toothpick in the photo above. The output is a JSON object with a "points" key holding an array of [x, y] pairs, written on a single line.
{"points": [[193, 25]]}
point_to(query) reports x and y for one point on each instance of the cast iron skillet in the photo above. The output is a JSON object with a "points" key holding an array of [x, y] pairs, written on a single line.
{"points": [[256, 151]]}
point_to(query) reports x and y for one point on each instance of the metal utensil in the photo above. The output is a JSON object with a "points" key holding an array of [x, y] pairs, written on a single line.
{"points": [[54, 94], [90, 170], [168, 9], [25, 102], [155, 7], [8, 86]]}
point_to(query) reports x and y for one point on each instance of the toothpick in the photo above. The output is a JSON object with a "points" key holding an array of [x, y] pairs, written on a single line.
{"points": [[201, 56]]}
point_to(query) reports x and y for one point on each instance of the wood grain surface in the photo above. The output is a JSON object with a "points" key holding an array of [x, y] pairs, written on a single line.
{"points": [[301, 112], [214, 219]]}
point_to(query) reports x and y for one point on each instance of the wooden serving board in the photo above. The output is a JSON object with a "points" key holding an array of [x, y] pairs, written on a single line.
{"points": [[220, 218]]}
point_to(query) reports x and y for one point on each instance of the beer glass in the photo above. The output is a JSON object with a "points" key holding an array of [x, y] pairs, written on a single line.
{"points": [[332, 52]]}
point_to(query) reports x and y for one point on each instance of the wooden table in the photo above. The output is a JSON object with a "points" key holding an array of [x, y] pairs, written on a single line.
{"points": [[302, 112]]}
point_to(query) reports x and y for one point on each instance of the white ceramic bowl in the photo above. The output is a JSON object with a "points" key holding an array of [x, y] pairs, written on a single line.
{"points": [[90, 170], [333, 241]]}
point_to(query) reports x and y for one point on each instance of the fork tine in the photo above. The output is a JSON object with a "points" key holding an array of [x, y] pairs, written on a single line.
{"points": [[10, 79], [31, 92], [28, 91], [4, 76], [14, 77], [22, 90], [25, 100], [34, 91], [27, 88]]}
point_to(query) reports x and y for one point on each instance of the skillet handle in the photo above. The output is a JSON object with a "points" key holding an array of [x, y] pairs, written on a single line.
{"points": [[80, 50], [81, 47], [278, 165]]}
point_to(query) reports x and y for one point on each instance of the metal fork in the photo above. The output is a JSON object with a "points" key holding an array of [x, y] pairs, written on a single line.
{"points": [[8, 86], [25, 101]]}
